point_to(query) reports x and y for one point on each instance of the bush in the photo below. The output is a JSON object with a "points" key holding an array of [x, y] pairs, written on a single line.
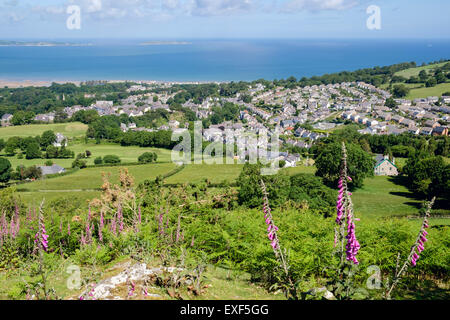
{"points": [[79, 164], [147, 157], [98, 160], [111, 158]]}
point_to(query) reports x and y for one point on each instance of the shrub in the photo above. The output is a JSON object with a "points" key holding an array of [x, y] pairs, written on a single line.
{"points": [[79, 164], [147, 157], [98, 160], [111, 158]]}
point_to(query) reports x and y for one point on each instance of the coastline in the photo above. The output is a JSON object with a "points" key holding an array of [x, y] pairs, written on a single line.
{"points": [[47, 83]]}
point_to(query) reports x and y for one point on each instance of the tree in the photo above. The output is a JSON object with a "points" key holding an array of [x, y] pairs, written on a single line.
{"points": [[423, 76], [400, 91], [22, 117], [390, 103], [147, 157], [47, 138], [360, 163], [428, 176], [5, 170], [111, 159], [33, 151], [2, 144], [88, 153], [278, 186], [78, 163], [440, 77], [431, 82], [310, 188]]}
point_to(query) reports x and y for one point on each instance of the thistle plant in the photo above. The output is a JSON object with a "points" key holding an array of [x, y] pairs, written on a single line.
{"points": [[416, 249], [288, 287]]}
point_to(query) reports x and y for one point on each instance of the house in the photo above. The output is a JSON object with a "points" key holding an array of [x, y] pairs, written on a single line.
{"points": [[54, 169], [60, 140], [440, 131], [291, 160], [384, 167], [432, 124], [413, 130], [6, 119], [426, 131]]}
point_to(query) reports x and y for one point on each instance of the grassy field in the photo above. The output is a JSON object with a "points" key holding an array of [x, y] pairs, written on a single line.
{"points": [[418, 90], [300, 169], [70, 130], [83, 183], [424, 92], [222, 284], [126, 154], [415, 71], [380, 197], [215, 173]]}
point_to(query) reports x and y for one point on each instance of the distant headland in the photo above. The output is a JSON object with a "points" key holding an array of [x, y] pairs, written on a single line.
{"points": [[8, 43]]}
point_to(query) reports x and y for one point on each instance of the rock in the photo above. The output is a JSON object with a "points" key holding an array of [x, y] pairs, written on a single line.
{"points": [[137, 272]]}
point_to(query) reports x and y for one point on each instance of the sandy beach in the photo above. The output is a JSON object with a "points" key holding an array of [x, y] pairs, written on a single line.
{"points": [[30, 83]]}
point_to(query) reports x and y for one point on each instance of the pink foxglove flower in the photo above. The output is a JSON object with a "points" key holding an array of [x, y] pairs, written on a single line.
{"points": [[41, 238], [344, 215]]}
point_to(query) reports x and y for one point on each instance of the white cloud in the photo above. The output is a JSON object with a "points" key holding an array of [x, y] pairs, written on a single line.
{"points": [[220, 7], [317, 5], [166, 9]]}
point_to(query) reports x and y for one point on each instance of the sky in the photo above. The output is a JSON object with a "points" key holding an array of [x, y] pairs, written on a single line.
{"points": [[217, 19]]}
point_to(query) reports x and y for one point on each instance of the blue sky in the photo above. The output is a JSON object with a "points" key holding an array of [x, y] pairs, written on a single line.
{"points": [[190, 19]]}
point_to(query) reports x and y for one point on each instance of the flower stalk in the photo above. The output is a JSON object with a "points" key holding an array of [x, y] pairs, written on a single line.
{"points": [[416, 249]]}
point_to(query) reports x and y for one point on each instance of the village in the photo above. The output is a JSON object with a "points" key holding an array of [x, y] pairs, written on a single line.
{"points": [[301, 115]]}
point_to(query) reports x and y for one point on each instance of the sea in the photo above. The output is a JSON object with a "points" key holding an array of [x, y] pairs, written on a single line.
{"points": [[210, 60]]}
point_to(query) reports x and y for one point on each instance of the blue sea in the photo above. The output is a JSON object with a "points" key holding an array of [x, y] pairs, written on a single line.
{"points": [[211, 60]]}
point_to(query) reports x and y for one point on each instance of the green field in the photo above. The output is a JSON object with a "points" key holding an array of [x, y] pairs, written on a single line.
{"points": [[86, 182], [70, 130], [415, 71], [299, 169], [418, 90], [381, 197], [215, 173], [424, 92], [126, 154]]}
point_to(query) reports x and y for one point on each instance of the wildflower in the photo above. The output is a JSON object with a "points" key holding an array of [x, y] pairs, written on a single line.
{"points": [[344, 214], [131, 292], [271, 227], [120, 218], [418, 245], [41, 238], [100, 227], [100, 233], [113, 225]]}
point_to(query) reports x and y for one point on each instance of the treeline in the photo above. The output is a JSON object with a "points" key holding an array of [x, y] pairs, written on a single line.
{"points": [[36, 147], [38, 100], [402, 145], [427, 78], [426, 170]]}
